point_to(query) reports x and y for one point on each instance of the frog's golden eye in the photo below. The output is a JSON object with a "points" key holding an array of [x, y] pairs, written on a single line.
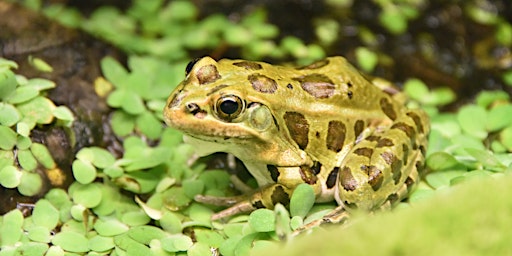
{"points": [[190, 65], [229, 107]]}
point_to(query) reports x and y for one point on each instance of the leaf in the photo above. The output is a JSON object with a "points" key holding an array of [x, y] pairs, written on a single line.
{"points": [[45, 214], [149, 125], [10, 176], [9, 115], [23, 94], [113, 71], [71, 241], [440, 161], [10, 228], [88, 195], [97, 156], [472, 119], [31, 184], [27, 160], [84, 172], [42, 155], [303, 198], [8, 84], [176, 243], [122, 123], [38, 110], [262, 220], [484, 157], [499, 117], [8, 138]]}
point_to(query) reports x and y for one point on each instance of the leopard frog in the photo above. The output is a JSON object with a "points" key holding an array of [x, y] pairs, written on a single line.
{"points": [[351, 139]]}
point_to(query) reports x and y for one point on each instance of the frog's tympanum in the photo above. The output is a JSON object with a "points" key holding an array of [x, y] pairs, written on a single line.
{"points": [[352, 140]]}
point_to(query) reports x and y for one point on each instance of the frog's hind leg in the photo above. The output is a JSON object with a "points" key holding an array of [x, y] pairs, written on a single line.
{"points": [[382, 167]]}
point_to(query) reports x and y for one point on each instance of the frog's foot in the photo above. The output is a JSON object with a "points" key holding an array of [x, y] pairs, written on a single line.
{"points": [[337, 215]]}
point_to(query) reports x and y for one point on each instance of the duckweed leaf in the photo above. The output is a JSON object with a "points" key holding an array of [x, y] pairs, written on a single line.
{"points": [[10, 228], [27, 160], [9, 115], [149, 125], [208, 237], [63, 113], [10, 176], [40, 84], [366, 59], [8, 138], [439, 161], [45, 214], [55, 251], [127, 100], [176, 243], [472, 119], [38, 110], [23, 94], [42, 155], [302, 200], [110, 227], [101, 243], [114, 71], [31, 184], [109, 200], [262, 220], [499, 117], [170, 222], [144, 234], [39, 234], [485, 98], [88, 195], [122, 123], [442, 179], [484, 157], [193, 187], [99, 157], [199, 249], [84, 172], [39, 64], [71, 241], [7, 84], [135, 218], [506, 137]]}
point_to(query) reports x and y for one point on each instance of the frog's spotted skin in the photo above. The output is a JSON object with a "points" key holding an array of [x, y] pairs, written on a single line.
{"points": [[325, 124]]}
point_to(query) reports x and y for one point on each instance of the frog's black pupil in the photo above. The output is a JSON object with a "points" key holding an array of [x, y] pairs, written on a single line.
{"points": [[190, 65], [229, 107]]}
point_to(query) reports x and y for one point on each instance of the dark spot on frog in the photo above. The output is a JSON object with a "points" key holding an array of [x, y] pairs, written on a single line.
{"points": [[262, 83], [405, 150], [274, 172], [258, 204], [393, 198], [373, 138], [289, 86], [423, 150], [375, 177], [298, 128], [420, 167], [409, 130], [307, 174], [190, 65], [249, 65], [347, 181], [280, 196], [349, 84], [317, 166], [350, 205], [385, 142], [316, 65], [217, 88], [176, 100], [207, 74], [358, 128], [336, 131], [317, 85], [387, 108], [331, 179], [349, 94], [395, 165], [317, 135], [367, 152], [417, 121], [409, 182]]}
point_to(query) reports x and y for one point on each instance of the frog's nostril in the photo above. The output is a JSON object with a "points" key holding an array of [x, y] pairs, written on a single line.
{"points": [[192, 108], [195, 110]]}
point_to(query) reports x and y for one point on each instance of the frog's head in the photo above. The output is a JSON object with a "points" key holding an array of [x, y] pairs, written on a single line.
{"points": [[217, 107]]}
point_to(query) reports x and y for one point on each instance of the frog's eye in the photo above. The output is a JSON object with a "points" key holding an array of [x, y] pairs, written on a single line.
{"points": [[229, 107], [190, 65]]}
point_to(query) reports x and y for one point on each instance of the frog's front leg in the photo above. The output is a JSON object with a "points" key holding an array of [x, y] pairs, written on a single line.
{"points": [[285, 180], [265, 197]]}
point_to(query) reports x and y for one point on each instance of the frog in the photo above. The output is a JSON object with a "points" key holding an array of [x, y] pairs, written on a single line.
{"points": [[349, 137]]}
